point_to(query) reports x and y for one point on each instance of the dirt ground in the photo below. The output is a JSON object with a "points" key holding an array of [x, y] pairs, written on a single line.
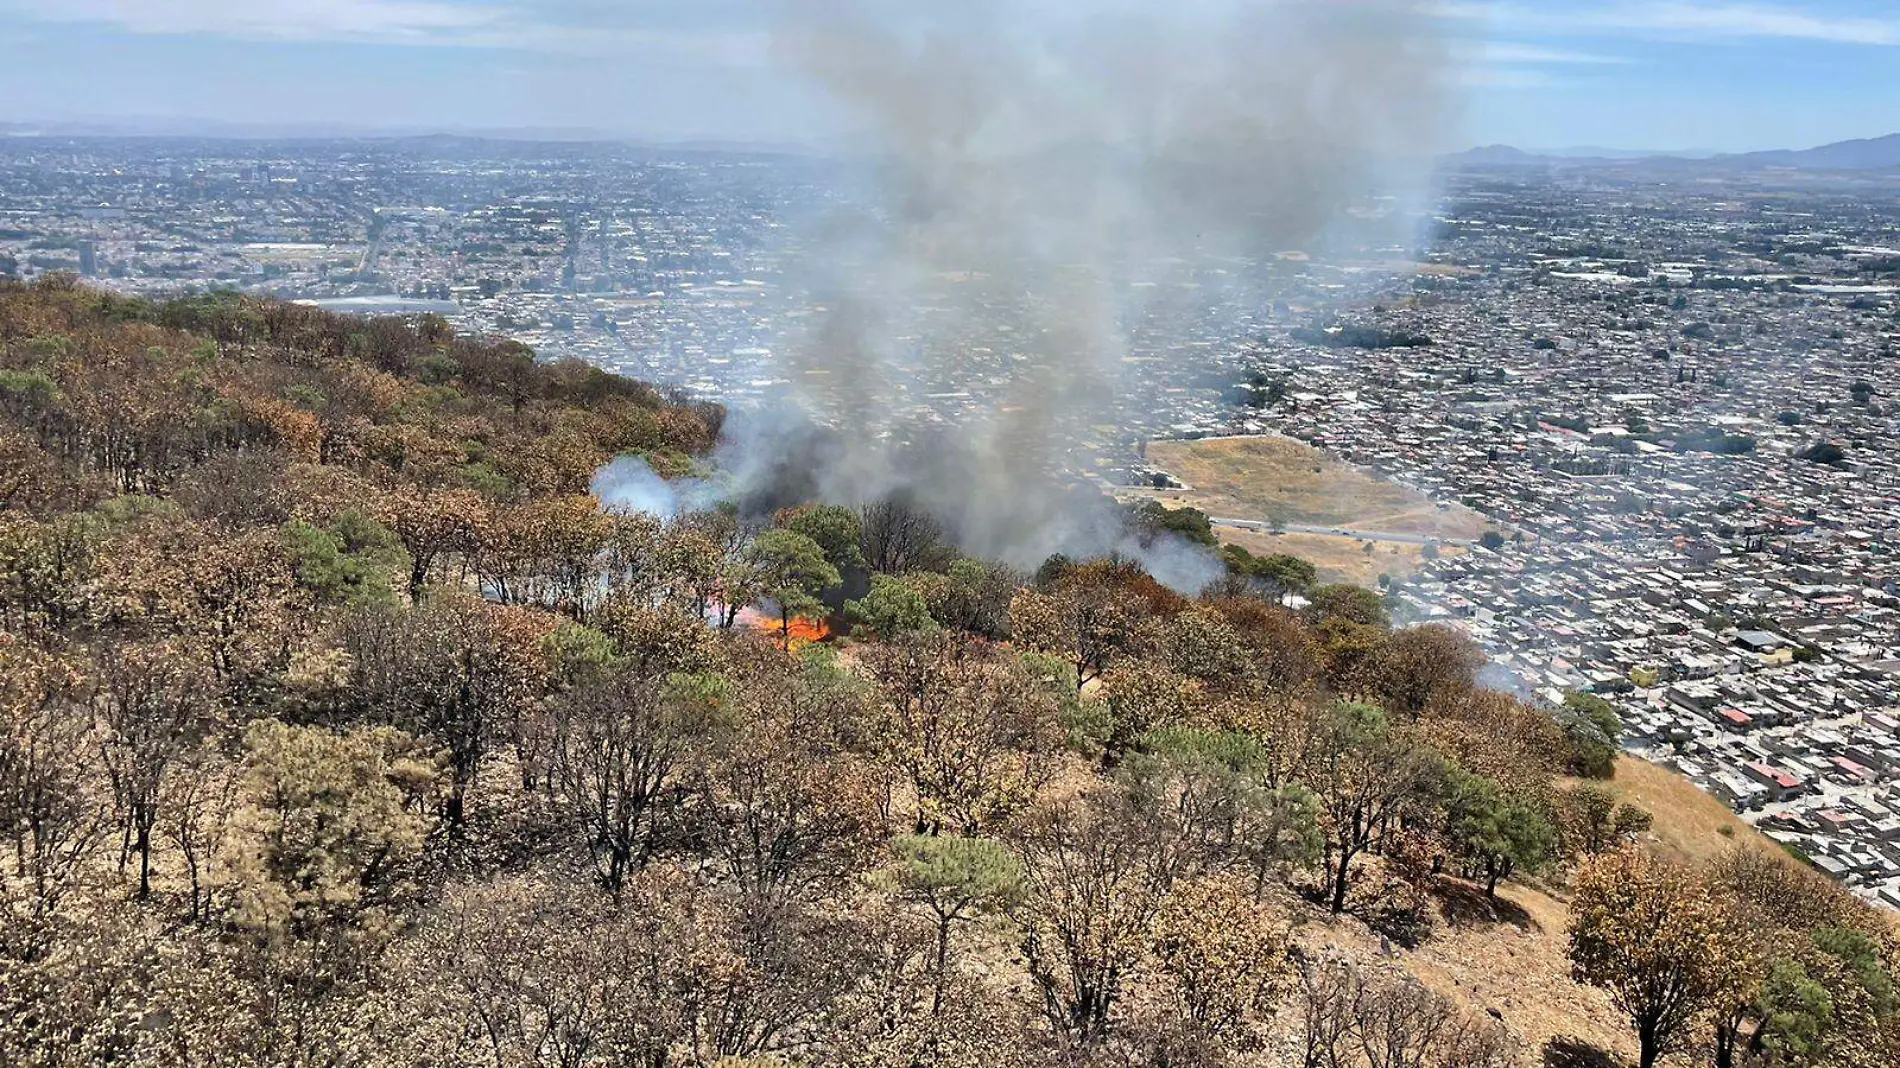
{"points": [[1269, 478], [1339, 559]]}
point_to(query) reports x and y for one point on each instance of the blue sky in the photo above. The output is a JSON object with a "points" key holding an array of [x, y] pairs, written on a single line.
{"points": [[1711, 74]]}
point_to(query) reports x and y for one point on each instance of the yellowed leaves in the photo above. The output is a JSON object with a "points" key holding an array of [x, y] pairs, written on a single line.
{"points": [[1224, 954], [1651, 934]]}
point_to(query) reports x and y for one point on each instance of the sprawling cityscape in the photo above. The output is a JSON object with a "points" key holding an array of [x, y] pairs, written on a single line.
{"points": [[1671, 390]]}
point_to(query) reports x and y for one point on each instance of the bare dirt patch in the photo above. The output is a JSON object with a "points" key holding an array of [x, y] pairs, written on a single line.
{"points": [[1508, 959], [1337, 558], [1272, 479]]}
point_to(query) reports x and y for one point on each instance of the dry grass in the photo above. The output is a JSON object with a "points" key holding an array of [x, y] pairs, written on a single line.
{"points": [[1512, 960], [1520, 967], [1339, 559], [1266, 478], [1508, 959], [1690, 824]]}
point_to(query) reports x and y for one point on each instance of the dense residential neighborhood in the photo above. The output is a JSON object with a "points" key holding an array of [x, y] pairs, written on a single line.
{"points": [[1679, 406]]}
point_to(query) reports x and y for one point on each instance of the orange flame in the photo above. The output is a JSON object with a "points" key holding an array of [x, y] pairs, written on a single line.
{"points": [[806, 632], [800, 632]]}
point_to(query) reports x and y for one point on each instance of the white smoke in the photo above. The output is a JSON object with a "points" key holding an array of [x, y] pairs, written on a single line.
{"points": [[1053, 175], [628, 484]]}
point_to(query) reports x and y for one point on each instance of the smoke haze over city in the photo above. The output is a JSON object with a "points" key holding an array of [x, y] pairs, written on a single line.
{"points": [[1043, 180]]}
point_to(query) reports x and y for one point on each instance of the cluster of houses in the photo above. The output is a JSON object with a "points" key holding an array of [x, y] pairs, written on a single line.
{"points": [[1690, 436]]}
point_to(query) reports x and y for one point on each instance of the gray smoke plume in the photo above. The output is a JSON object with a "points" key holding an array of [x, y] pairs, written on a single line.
{"points": [[1052, 175], [628, 484]]}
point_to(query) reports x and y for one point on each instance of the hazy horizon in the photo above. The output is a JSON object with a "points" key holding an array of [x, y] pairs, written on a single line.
{"points": [[1674, 76], [186, 127]]}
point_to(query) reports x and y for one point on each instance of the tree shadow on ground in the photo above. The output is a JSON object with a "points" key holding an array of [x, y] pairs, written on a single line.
{"points": [[1465, 905], [1566, 1051]]}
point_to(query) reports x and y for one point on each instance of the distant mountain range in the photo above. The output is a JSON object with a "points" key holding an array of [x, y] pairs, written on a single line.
{"points": [[1876, 153], [210, 129], [174, 128]]}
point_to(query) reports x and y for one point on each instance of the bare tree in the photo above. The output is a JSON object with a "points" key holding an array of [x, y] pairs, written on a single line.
{"points": [[972, 734], [619, 765], [789, 810], [1328, 996], [454, 670], [1096, 870], [49, 814], [898, 536], [1350, 1018], [196, 805], [153, 704]]}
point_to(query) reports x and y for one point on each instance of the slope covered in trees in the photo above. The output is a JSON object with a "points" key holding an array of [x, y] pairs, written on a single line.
{"points": [[340, 726]]}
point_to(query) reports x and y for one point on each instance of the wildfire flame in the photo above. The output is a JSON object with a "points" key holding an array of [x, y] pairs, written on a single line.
{"points": [[801, 632], [806, 632]]}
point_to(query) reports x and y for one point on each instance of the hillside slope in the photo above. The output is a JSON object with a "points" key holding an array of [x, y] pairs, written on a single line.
{"points": [[342, 726]]}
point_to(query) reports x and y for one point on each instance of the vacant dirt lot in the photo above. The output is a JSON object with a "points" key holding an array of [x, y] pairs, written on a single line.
{"points": [[1269, 479], [1339, 559]]}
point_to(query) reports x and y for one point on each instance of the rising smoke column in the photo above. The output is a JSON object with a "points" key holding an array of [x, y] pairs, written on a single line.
{"points": [[1050, 172]]}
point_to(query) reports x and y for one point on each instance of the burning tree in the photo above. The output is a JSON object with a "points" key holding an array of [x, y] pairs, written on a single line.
{"points": [[792, 572]]}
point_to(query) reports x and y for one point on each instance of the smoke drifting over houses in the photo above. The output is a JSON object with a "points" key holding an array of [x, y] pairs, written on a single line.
{"points": [[1046, 173]]}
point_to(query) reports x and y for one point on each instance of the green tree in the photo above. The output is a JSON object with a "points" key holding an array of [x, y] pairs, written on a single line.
{"points": [[974, 596], [1219, 786], [1593, 821], [353, 562], [44, 569], [1593, 729], [892, 609], [838, 532], [1797, 1014], [1369, 776], [1828, 1001], [1496, 833], [792, 571], [1282, 574], [1352, 604], [1153, 520], [959, 880]]}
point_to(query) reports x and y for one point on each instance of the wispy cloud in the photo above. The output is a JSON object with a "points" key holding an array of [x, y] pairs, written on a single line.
{"points": [[1509, 53], [396, 21], [1756, 20], [1682, 19], [1506, 78], [574, 28], [1518, 65]]}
